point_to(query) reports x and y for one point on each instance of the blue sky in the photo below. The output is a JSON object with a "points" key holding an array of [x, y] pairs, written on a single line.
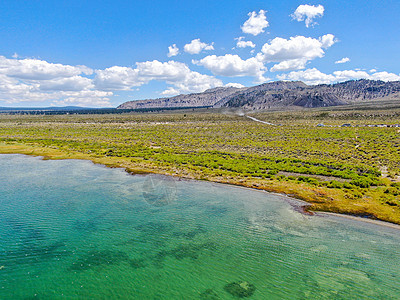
{"points": [[103, 53]]}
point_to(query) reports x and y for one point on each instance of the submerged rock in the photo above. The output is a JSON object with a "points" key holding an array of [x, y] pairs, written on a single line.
{"points": [[185, 251], [339, 282], [209, 294], [240, 289]]}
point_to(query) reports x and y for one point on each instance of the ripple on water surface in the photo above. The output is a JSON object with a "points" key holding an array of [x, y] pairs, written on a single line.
{"points": [[72, 229]]}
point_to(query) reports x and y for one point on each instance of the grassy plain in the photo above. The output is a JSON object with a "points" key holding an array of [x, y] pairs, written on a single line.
{"points": [[353, 170]]}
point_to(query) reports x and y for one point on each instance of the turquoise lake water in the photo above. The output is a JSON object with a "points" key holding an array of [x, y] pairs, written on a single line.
{"points": [[74, 230]]}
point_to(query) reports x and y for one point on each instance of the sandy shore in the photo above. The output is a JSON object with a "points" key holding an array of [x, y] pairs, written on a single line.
{"points": [[371, 221]]}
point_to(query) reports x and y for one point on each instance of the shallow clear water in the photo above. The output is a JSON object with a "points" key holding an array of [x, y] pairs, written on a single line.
{"points": [[72, 229]]}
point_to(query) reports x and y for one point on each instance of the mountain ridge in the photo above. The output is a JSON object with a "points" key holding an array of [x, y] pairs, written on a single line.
{"points": [[206, 98], [278, 94]]}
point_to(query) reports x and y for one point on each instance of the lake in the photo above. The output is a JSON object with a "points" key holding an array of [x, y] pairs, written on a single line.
{"points": [[73, 229]]}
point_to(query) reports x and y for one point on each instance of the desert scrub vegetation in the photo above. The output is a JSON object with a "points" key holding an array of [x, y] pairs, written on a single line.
{"points": [[334, 168]]}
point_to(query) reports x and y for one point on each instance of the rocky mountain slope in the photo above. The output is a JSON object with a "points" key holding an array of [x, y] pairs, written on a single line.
{"points": [[207, 98], [299, 94], [280, 94]]}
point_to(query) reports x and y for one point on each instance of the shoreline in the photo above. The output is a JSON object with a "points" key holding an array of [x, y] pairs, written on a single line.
{"points": [[298, 205], [359, 219]]}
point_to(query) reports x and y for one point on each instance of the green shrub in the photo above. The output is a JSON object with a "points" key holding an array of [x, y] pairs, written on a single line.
{"points": [[273, 172], [361, 182], [335, 184]]}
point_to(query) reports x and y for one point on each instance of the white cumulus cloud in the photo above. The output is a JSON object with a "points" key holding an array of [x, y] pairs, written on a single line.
{"points": [[343, 60], [170, 91], [84, 98], [75, 83], [173, 50], [243, 44], [294, 53], [289, 65], [157, 70], [233, 66], [177, 74], [299, 47], [235, 85], [309, 76], [385, 76], [196, 46], [35, 69], [314, 76], [350, 74], [256, 23], [117, 78], [30, 80], [194, 82], [34, 80], [327, 40], [308, 13]]}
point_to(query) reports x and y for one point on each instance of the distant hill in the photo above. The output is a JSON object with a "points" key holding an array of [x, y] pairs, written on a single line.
{"points": [[282, 94], [279, 94], [205, 99], [52, 108]]}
